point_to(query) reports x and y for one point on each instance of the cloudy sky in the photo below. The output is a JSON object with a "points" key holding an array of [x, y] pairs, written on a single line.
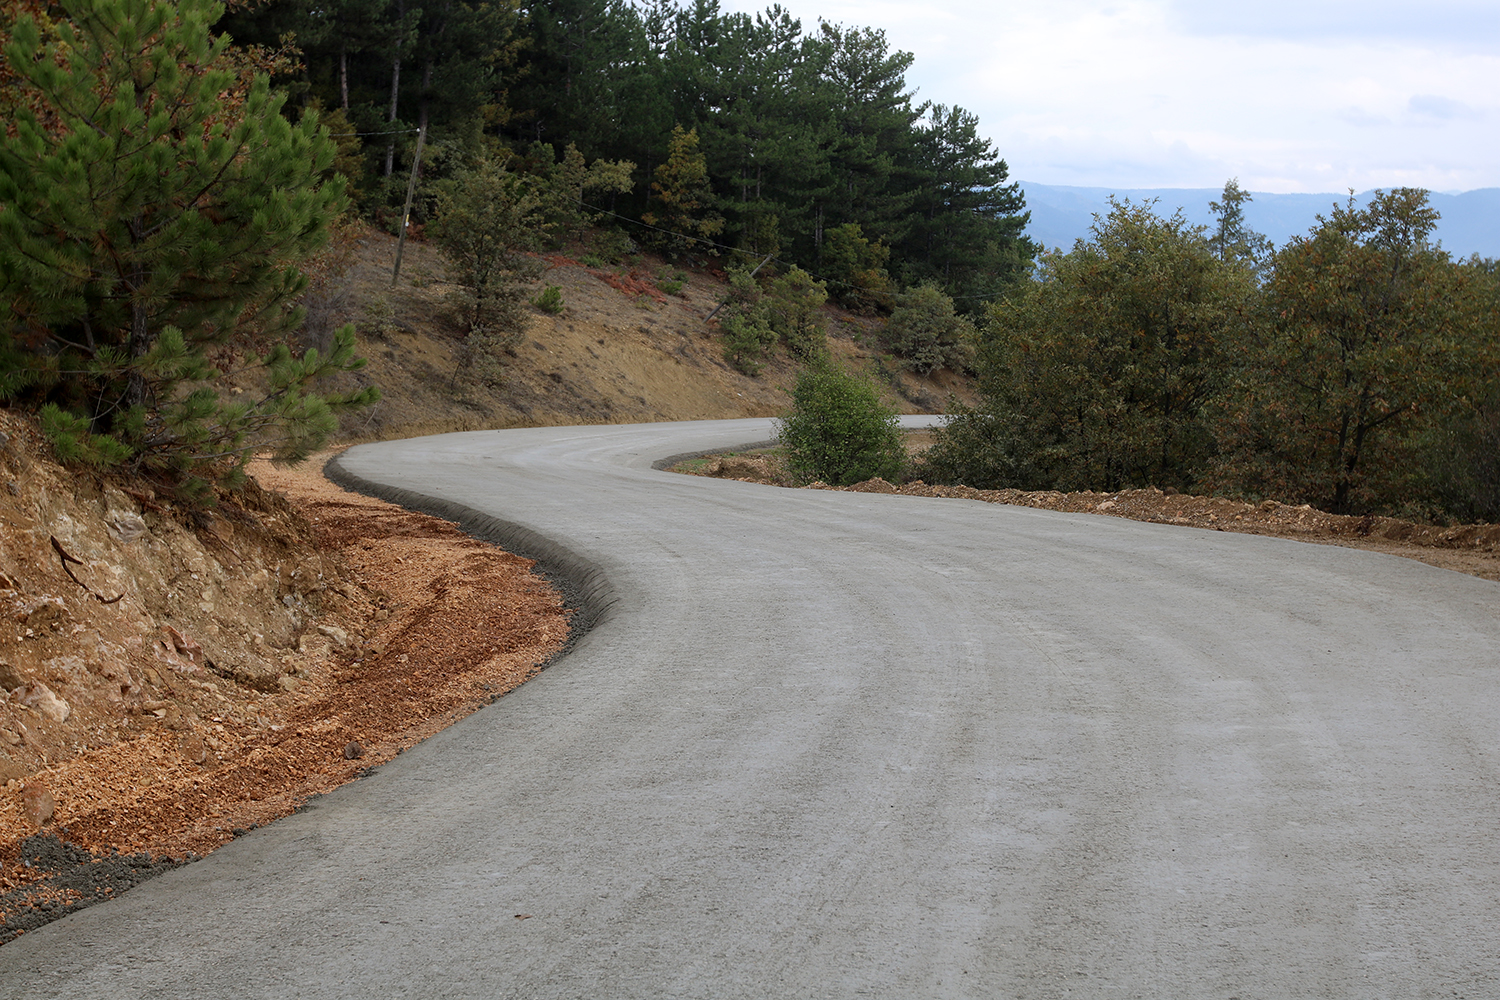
{"points": [[1286, 95]]}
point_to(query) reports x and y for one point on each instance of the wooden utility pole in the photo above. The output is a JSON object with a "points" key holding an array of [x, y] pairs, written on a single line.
{"points": [[411, 189]]}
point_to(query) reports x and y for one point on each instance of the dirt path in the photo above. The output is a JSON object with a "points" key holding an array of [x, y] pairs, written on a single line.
{"points": [[437, 625]]}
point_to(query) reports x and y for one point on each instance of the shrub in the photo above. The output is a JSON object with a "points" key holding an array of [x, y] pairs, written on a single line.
{"points": [[856, 268], [746, 324], [794, 310], [838, 431], [549, 300], [925, 332]]}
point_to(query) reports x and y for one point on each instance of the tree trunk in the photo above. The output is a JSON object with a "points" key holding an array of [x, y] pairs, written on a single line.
{"points": [[390, 146]]}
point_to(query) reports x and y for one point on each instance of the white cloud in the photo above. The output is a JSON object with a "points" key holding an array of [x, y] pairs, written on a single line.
{"points": [[1286, 95]]}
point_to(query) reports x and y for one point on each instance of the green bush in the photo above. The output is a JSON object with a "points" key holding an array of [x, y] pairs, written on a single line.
{"points": [[838, 431], [794, 304], [549, 300], [925, 332], [747, 337], [856, 268], [746, 324]]}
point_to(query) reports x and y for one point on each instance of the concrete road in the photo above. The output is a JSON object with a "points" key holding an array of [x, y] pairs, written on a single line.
{"points": [[841, 745]]}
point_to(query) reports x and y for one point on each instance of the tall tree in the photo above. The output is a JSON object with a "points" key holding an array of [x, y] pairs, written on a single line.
{"points": [[1369, 333], [967, 233], [1231, 237], [1097, 375]]}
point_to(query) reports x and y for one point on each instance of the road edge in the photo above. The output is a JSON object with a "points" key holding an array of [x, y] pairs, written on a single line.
{"points": [[585, 588]]}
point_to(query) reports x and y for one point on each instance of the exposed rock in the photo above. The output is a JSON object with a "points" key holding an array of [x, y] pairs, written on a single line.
{"points": [[37, 804], [42, 698], [194, 749], [184, 646], [353, 751], [255, 674], [46, 613], [339, 636], [125, 526]]}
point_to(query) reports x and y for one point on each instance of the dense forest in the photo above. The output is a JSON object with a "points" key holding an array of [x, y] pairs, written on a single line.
{"points": [[802, 135]]}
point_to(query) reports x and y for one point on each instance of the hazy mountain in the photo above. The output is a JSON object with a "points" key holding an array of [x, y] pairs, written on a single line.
{"points": [[1059, 215]]}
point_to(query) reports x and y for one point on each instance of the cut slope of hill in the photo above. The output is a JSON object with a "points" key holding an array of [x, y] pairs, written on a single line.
{"points": [[621, 351]]}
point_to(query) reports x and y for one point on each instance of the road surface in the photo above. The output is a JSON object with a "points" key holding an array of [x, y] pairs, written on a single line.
{"points": [[839, 745]]}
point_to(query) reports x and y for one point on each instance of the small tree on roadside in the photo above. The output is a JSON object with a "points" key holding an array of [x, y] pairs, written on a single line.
{"points": [[838, 431]]}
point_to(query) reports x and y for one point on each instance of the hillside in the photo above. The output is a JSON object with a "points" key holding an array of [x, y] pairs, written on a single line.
{"points": [[621, 351]]}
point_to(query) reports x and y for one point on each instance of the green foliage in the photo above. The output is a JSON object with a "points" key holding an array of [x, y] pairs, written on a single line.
{"points": [[610, 247], [1232, 240], [1372, 344], [1097, 375], [965, 229], [856, 268], [486, 221], [568, 184], [838, 431], [794, 309], [550, 300], [150, 208], [746, 323], [681, 196], [926, 333]]}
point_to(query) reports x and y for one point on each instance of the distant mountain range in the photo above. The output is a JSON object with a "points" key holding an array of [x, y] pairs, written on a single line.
{"points": [[1060, 215]]}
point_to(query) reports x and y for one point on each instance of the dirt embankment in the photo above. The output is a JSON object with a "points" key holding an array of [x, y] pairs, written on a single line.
{"points": [[173, 679]]}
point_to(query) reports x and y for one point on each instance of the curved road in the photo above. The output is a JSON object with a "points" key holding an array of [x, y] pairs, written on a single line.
{"points": [[841, 745]]}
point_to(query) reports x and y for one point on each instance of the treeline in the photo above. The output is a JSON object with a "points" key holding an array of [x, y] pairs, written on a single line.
{"points": [[810, 144], [1357, 368]]}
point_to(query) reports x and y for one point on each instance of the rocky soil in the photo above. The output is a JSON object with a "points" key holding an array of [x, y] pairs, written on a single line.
{"points": [[172, 679]]}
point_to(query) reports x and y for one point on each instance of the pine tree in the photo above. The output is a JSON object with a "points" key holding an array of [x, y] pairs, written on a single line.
{"points": [[487, 221], [149, 209], [682, 194]]}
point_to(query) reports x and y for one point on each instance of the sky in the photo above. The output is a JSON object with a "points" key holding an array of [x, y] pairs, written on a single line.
{"points": [[1285, 95]]}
